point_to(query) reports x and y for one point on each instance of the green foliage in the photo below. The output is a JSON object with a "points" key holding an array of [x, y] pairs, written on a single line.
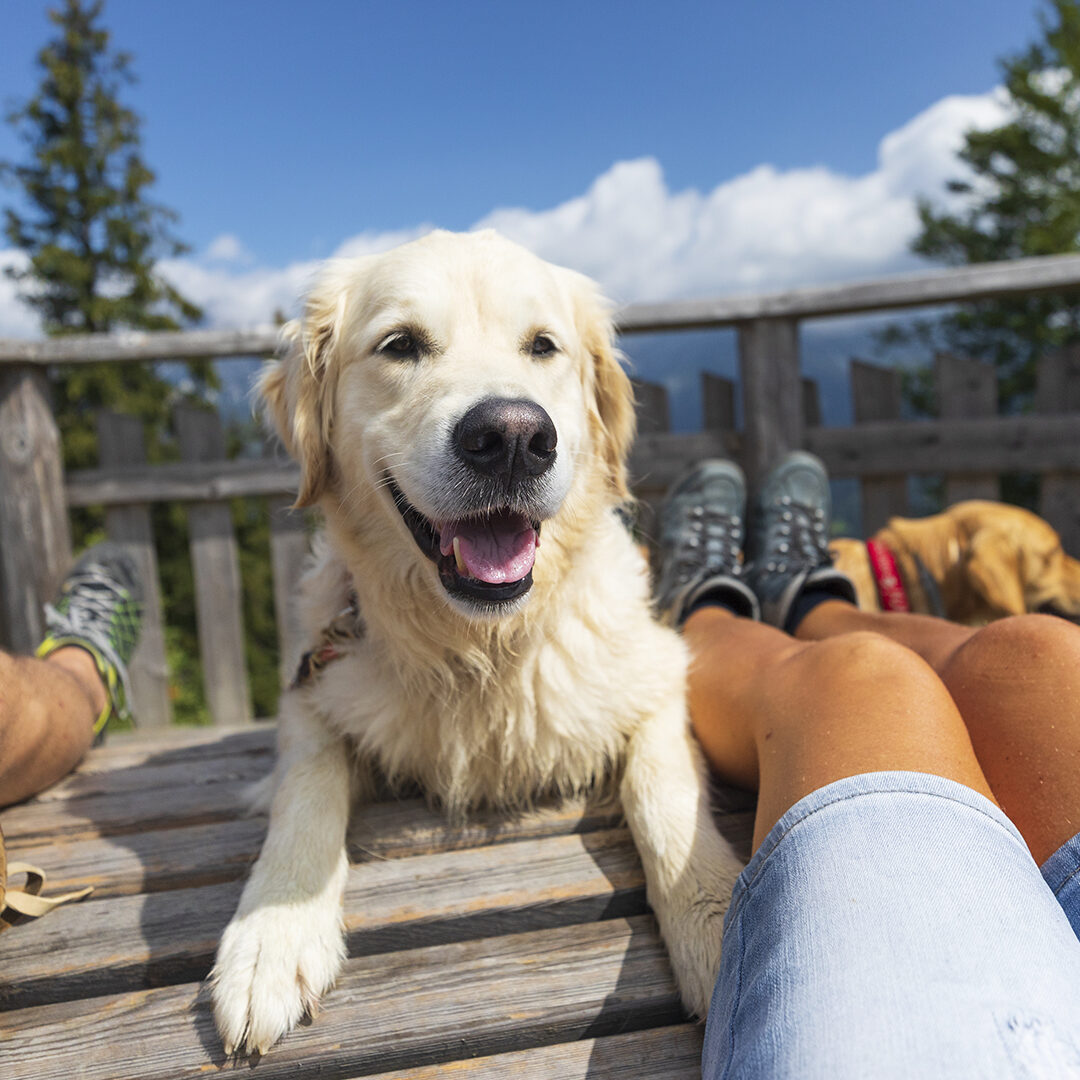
{"points": [[1022, 198]]}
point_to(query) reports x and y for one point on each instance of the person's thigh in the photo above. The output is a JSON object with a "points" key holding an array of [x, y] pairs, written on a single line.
{"points": [[895, 925]]}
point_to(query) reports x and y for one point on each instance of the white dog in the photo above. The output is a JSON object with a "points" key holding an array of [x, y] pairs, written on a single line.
{"points": [[449, 402]]}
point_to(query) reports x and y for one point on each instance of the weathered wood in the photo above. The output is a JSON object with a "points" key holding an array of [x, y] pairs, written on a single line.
{"points": [[811, 403], [120, 441], [164, 938], [666, 1053], [135, 345], [653, 407], [289, 547], [218, 586], [1058, 391], [175, 744], [997, 444], [717, 402], [1039, 274], [489, 996], [966, 389], [35, 541], [772, 393], [876, 395], [182, 482], [1031, 276]]}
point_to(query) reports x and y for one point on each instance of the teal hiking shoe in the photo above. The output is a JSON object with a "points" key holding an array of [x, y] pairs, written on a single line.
{"points": [[701, 535], [99, 609], [788, 546]]}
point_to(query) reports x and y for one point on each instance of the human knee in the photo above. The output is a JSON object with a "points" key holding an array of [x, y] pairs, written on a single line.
{"points": [[845, 664], [1029, 641]]}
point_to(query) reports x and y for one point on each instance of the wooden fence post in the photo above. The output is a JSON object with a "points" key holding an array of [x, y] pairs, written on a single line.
{"points": [[772, 392], [717, 402], [35, 538], [653, 417], [288, 549], [966, 390], [1057, 390], [811, 404], [876, 395], [217, 577], [120, 443]]}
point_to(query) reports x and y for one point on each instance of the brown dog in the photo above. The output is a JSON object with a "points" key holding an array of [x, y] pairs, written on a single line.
{"points": [[986, 560]]}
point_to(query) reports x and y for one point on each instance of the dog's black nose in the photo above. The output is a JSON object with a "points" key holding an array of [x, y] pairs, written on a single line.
{"points": [[510, 439]]}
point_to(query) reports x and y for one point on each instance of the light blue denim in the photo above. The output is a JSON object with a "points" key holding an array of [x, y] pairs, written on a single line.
{"points": [[894, 924]]}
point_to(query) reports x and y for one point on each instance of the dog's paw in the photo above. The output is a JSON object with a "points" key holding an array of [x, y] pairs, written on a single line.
{"points": [[273, 964]]}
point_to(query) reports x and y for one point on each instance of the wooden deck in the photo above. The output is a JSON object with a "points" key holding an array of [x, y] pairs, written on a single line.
{"points": [[505, 948]]}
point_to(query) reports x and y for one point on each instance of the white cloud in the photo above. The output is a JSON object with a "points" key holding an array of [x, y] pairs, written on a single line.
{"points": [[17, 319], [765, 229], [228, 248]]}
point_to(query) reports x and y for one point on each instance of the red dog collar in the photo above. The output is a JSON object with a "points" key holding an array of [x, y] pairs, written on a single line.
{"points": [[890, 585]]}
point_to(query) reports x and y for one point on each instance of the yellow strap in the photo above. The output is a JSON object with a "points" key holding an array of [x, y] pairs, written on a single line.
{"points": [[27, 901]]}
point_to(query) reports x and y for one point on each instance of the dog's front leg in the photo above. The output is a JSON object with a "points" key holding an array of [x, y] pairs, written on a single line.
{"points": [[284, 945], [689, 867]]}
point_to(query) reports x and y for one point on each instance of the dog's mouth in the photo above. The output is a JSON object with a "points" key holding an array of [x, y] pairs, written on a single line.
{"points": [[485, 557]]}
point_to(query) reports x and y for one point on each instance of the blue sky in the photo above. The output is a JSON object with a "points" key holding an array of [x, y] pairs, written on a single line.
{"points": [[294, 126]]}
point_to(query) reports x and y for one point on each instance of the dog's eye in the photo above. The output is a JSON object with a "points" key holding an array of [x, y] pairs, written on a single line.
{"points": [[402, 345], [542, 345]]}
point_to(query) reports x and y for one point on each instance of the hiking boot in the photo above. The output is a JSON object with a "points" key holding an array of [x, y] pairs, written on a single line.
{"points": [[788, 546], [99, 609], [701, 533]]}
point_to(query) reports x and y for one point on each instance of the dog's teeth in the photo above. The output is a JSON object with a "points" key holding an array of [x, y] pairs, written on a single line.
{"points": [[462, 569]]}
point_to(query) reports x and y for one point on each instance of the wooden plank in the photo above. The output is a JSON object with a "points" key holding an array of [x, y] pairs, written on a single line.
{"points": [[120, 442], [159, 775], [35, 541], [472, 998], [876, 395], [1057, 390], [811, 403], [717, 402], [184, 855], [1015, 277], [966, 390], [121, 751], [182, 482], [653, 407], [664, 1053], [217, 578], [132, 942], [997, 444], [136, 345], [772, 393], [289, 548]]}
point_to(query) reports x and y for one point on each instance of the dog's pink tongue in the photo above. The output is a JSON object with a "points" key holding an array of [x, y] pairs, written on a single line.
{"points": [[496, 549]]}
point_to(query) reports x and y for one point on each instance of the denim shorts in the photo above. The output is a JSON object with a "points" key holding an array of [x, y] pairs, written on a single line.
{"points": [[894, 924]]}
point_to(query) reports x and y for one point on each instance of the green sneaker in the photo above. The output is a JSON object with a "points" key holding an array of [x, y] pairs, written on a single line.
{"points": [[701, 531], [788, 546], [99, 609]]}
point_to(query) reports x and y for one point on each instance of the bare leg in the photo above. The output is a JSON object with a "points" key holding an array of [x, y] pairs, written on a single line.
{"points": [[787, 717], [1016, 683], [47, 713]]}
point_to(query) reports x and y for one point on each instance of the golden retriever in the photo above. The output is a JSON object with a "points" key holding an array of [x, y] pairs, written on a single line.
{"points": [[450, 403], [986, 559]]}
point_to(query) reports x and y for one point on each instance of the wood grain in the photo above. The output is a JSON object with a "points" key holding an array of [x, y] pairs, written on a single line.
{"points": [[876, 395], [390, 1011]]}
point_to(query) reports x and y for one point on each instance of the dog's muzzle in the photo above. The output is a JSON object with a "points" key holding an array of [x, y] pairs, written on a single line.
{"points": [[485, 553]]}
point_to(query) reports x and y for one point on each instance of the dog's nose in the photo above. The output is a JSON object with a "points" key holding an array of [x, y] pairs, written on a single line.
{"points": [[506, 438]]}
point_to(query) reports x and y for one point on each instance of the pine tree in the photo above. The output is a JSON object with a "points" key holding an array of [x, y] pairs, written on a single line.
{"points": [[91, 234], [1022, 197]]}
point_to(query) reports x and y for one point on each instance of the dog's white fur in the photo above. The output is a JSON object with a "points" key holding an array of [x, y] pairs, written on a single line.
{"points": [[572, 688]]}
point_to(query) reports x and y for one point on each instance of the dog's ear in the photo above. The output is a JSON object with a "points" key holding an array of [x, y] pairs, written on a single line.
{"points": [[297, 390], [993, 570], [611, 395]]}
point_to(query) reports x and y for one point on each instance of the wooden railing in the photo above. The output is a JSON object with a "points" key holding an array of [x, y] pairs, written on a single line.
{"points": [[969, 445]]}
